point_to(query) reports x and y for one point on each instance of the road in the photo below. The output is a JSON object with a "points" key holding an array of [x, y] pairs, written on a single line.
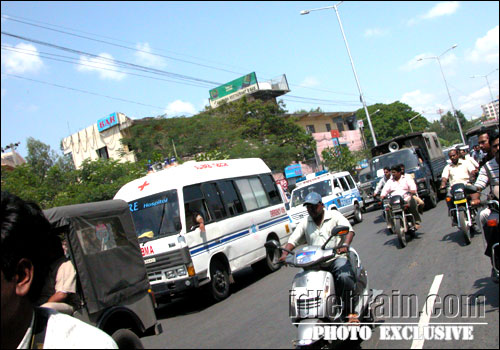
{"points": [[256, 314]]}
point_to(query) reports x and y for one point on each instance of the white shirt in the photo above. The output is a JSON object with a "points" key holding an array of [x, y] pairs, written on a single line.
{"points": [[66, 332], [471, 160], [308, 232], [458, 173]]}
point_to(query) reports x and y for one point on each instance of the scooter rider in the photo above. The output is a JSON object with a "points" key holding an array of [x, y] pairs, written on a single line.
{"points": [[315, 230], [459, 171]]}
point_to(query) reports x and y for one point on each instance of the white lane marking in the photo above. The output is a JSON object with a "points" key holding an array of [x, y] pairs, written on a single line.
{"points": [[427, 311]]}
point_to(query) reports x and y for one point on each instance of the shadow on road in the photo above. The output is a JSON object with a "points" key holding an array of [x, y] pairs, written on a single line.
{"points": [[198, 300], [456, 237], [489, 290]]}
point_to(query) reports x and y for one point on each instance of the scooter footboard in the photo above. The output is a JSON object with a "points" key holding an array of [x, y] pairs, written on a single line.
{"points": [[307, 333]]}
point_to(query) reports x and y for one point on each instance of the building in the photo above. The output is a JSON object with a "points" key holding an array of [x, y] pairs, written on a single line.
{"points": [[11, 159], [490, 110], [102, 140]]}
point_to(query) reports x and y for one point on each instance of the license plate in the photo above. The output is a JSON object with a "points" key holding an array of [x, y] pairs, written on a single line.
{"points": [[460, 201]]}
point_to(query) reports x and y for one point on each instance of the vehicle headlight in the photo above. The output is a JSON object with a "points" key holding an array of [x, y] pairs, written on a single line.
{"points": [[459, 195], [421, 185], [171, 274], [181, 271]]}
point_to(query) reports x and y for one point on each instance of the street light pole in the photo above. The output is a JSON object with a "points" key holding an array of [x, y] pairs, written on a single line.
{"points": [[352, 65], [489, 87], [448, 90]]}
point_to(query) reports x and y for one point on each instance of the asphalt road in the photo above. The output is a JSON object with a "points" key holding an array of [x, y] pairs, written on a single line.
{"points": [[256, 314]]}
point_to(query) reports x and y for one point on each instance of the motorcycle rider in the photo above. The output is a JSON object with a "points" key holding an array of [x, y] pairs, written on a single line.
{"points": [[315, 230], [488, 175], [405, 187], [484, 140], [383, 181], [458, 172]]}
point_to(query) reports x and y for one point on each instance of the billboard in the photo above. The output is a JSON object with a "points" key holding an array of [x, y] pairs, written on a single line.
{"points": [[293, 171], [106, 123], [234, 90]]}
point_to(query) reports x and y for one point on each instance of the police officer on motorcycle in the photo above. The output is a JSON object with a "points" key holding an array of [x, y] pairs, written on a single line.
{"points": [[488, 175], [315, 230]]}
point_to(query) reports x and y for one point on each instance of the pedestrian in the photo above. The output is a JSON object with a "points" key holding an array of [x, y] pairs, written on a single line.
{"points": [[27, 250]]}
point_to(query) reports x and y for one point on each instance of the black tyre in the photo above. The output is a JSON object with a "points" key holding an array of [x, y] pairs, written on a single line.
{"points": [[464, 227], [126, 339], [358, 216], [431, 200], [219, 281], [269, 264], [399, 229]]}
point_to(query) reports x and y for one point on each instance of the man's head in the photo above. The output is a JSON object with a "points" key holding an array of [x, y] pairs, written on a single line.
{"points": [[387, 172], [476, 148], [494, 148], [484, 141], [453, 155], [314, 205], [402, 167], [396, 172], [26, 240]]}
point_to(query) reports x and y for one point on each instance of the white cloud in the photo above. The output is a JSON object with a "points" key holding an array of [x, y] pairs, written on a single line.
{"points": [[146, 58], [441, 9], [485, 49], [375, 32], [424, 103], [104, 65], [471, 104], [22, 58], [309, 82], [179, 107]]}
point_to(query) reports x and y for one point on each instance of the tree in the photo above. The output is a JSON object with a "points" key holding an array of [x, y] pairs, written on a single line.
{"points": [[390, 121], [40, 157]]}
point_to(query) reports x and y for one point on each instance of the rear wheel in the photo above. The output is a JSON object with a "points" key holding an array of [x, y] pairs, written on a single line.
{"points": [[431, 200], [464, 227], [399, 229], [126, 339]]}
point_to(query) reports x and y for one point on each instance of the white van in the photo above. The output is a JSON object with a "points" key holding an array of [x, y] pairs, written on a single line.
{"points": [[242, 209], [338, 190]]}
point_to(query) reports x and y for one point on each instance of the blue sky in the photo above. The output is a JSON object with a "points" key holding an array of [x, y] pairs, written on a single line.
{"points": [[199, 45]]}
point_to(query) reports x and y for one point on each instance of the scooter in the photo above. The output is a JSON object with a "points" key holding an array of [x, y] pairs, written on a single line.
{"points": [[313, 301], [465, 214], [403, 222]]}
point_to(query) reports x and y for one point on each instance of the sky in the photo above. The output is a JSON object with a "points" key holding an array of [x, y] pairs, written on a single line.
{"points": [[65, 65]]}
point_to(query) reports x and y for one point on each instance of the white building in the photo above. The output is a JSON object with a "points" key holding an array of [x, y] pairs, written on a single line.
{"points": [[490, 110], [101, 140]]}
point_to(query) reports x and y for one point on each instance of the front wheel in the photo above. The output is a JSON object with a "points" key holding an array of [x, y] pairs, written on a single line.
{"points": [[219, 281], [126, 339], [463, 226], [270, 263], [431, 200], [399, 229]]}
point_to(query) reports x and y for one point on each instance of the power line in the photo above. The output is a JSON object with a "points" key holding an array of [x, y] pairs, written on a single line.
{"points": [[151, 53], [84, 91]]}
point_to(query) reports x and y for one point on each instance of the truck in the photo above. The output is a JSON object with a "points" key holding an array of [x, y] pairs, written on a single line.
{"points": [[423, 158]]}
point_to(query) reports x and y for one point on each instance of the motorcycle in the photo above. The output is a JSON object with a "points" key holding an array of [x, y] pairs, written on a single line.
{"points": [[464, 213], [313, 301], [403, 222], [386, 212]]}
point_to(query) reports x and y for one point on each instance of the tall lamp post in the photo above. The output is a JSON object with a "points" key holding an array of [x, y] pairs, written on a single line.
{"points": [[409, 121], [446, 84], [305, 12], [489, 87]]}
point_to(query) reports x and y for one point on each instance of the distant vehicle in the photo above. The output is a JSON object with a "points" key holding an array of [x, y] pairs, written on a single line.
{"points": [[422, 156], [338, 191], [367, 184], [112, 283]]}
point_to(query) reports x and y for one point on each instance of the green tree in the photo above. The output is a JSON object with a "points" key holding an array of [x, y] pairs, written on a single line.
{"points": [[40, 157], [390, 121]]}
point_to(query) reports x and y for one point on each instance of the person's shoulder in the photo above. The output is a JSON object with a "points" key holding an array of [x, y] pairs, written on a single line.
{"points": [[72, 333]]}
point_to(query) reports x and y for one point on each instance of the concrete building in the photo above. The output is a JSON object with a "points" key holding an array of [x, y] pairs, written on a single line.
{"points": [[12, 159], [490, 110], [100, 140]]}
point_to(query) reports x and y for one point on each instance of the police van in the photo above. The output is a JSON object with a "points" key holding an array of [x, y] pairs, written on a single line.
{"points": [[338, 192], [241, 207]]}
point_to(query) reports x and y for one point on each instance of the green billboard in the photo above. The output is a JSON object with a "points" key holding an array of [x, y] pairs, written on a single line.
{"points": [[233, 86]]}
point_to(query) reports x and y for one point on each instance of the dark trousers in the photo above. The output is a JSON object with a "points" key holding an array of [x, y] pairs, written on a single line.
{"points": [[414, 210], [345, 282]]}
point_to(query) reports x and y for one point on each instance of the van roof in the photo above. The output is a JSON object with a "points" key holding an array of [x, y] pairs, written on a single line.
{"points": [[319, 178], [190, 173]]}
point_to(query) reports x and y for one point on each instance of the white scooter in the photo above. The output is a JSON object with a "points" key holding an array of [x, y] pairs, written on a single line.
{"points": [[313, 302]]}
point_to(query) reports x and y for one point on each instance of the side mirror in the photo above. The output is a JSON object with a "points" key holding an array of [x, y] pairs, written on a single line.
{"points": [[340, 231], [287, 206]]}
